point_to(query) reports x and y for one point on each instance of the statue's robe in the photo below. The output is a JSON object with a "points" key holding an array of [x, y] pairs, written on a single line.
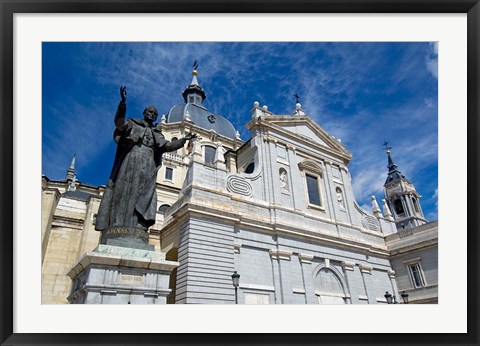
{"points": [[130, 198]]}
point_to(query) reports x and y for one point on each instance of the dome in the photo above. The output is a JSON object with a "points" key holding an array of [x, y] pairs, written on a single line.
{"points": [[194, 95], [201, 117]]}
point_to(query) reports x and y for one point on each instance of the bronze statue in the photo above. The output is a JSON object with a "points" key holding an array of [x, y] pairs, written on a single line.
{"points": [[129, 203]]}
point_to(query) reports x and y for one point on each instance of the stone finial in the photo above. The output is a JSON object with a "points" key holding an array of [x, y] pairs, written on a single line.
{"points": [[298, 109], [186, 117], [386, 210], [375, 208], [237, 135], [163, 120], [256, 110], [265, 108]]}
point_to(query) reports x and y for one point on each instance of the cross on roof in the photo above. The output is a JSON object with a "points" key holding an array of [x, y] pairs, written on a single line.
{"points": [[385, 144], [195, 64], [297, 97]]}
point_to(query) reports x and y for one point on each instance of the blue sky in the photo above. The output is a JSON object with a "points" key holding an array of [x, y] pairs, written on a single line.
{"points": [[362, 93]]}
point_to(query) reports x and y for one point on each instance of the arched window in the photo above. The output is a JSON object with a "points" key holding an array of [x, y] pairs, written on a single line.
{"points": [[209, 154], [329, 287], [163, 207], [250, 168], [398, 206], [415, 204]]}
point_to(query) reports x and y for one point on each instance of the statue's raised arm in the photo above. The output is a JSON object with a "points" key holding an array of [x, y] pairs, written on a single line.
{"points": [[121, 110], [123, 93]]}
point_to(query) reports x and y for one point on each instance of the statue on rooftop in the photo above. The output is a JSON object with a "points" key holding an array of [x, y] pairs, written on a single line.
{"points": [[129, 204]]}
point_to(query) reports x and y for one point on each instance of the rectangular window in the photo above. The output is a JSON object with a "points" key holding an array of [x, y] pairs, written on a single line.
{"points": [[313, 192], [210, 154], [168, 173], [416, 274]]}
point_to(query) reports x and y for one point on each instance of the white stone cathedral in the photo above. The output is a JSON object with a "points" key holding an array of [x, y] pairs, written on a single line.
{"points": [[277, 209]]}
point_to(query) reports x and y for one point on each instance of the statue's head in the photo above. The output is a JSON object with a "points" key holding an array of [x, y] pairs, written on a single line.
{"points": [[150, 114]]}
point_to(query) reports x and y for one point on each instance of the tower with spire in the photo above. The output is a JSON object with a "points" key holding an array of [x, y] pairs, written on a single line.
{"points": [[401, 197], [194, 93]]}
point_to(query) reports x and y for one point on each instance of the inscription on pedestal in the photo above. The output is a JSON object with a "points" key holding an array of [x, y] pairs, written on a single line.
{"points": [[131, 280], [127, 231], [129, 237]]}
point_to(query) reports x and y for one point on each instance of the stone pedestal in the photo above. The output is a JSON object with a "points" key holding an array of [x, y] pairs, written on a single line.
{"points": [[118, 275], [129, 237]]}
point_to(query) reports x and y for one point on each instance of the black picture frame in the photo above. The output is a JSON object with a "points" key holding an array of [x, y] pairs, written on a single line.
{"points": [[9, 7]]}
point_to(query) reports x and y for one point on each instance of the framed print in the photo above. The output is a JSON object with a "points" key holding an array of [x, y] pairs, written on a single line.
{"points": [[313, 163]]}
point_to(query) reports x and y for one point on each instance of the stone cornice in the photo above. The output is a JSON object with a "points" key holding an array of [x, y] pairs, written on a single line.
{"points": [[156, 261], [267, 226]]}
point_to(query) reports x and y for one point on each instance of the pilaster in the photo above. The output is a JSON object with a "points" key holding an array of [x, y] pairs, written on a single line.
{"points": [[348, 271], [366, 271], [306, 261]]}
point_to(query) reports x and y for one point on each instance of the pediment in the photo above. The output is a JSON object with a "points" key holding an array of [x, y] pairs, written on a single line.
{"points": [[305, 128]]}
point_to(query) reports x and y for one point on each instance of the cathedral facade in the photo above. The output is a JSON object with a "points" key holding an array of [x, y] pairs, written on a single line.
{"points": [[277, 209]]}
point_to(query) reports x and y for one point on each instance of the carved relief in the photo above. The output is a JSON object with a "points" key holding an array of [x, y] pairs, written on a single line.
{"points": [[239, 185], [283, 180]]}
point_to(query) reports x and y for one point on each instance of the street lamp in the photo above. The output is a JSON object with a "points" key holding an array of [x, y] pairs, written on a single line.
{"points": [[391, 299], [236, 283], [388, 297], [404, 297]]}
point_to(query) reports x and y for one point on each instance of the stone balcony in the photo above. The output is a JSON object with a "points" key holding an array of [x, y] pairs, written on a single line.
{"points": [[172, 157]]}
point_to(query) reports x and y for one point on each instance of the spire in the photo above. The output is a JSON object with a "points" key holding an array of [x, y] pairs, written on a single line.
{"points": [[71, 170], [194, 93], [393, 173], [401, 198]]}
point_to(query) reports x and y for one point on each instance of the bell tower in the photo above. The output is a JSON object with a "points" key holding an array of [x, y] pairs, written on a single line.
{"points": [[402, 198]]}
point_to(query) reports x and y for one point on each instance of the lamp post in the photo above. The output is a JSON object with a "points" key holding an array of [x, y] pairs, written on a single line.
{"points": [[391, 299], [236, 283], [404, 297]]}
